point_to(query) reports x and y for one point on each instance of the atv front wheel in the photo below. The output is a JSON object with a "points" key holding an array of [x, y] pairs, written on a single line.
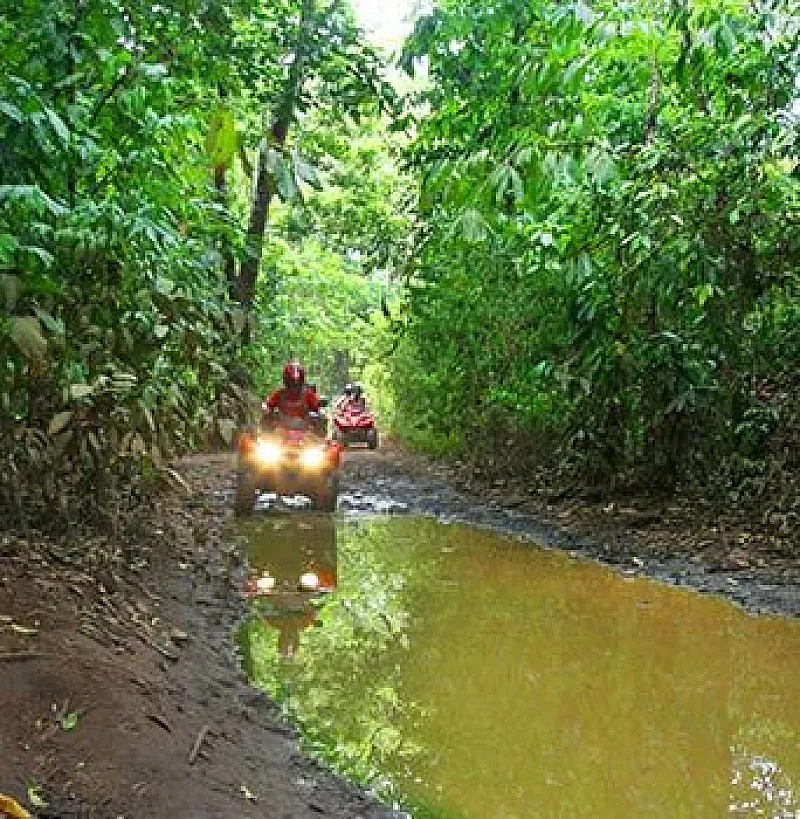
{"points": [[372, 439], [325, 499], [245, 499]]}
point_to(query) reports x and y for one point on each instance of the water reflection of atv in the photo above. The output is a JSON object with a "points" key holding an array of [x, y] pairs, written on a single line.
{"points": [[287, 462], [353, 424], [292, 567]]}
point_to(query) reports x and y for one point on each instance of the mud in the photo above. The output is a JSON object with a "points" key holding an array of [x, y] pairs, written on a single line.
{"points": [[121, 694]]}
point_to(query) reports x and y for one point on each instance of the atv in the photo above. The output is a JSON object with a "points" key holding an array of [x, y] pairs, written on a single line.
{"points": [[287, 461], [353, 424]]}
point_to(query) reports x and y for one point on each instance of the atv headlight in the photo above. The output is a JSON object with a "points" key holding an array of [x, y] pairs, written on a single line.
{"points": [[268, 453], [313, 457]]}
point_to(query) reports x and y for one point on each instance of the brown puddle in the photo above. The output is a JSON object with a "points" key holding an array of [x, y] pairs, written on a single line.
{"points": [[463, 674]]}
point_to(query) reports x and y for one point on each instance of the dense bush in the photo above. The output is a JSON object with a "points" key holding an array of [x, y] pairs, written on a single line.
{"points": [[116, 331], [609, 254]]}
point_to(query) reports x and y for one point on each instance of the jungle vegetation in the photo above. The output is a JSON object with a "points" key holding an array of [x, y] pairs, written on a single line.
{"points": [[576, 238], [143, 151], [606, 273]]}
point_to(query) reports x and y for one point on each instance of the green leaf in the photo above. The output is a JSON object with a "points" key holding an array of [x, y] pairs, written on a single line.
{"points": [[575, 69], [44, 256], [26, 333], [52, 325], [153, 71], [499, 180], [70, 721], [59, 422], [79, 391], [307, 173], [473, 226], [123, 382], [149, 420], [35, 797], [33, 197], [704, 292], [164, 286], [584, 13], [525, 156], [222, 140], [11, 111], [285, 179], [57, 124]]}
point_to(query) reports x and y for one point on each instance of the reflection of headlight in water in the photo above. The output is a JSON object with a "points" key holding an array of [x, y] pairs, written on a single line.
{"points": [[309, 581], [313, 457], [268, 452], [265, 583]]}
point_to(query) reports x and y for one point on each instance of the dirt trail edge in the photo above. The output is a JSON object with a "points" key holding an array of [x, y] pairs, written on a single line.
{"points": [[121, 693]]}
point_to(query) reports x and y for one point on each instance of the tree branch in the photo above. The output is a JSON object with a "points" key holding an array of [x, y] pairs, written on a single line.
{"points": [[103, 101]]}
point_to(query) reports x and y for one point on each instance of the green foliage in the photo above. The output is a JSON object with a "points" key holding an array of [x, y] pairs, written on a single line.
{"points": [[327, 267], [128, 229], [115, 332], [360, 208], [222, 139], [609, 229], [317, 308], [597, 230]]}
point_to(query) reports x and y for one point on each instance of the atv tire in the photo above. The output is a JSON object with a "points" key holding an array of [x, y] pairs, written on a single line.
{"points": [[245, 499], [326, 497], [372, 439]]}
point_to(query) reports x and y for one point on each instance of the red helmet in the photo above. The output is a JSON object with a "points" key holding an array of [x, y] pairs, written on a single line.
{"points": [[294, 376]]}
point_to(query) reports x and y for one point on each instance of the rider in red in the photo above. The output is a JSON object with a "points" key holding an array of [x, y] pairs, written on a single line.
{"points": [[294, 400]]}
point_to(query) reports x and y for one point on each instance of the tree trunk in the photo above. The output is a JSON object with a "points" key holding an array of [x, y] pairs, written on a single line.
{"points": [[265, 186], [229, 262]]}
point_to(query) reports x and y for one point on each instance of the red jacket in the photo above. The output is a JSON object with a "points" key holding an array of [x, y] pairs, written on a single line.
{"points": [[293, 403]]}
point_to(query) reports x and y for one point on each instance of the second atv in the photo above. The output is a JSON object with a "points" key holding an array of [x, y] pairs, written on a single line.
{"points": [[353, 423]]}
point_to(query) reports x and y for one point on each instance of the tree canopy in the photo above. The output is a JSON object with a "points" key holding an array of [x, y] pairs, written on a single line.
{"points": [[577, 236]]}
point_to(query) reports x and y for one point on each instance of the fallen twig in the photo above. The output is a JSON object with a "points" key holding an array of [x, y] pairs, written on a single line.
{"points": [[197, 743], [170, 655], [161, 721], [18, 656], [137, 584]]}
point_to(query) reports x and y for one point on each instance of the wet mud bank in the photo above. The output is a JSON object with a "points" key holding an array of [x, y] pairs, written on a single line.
{"points": [[121, 690]]}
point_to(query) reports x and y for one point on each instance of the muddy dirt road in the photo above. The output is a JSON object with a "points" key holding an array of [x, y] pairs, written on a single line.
{"points": [[121, 693]]}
